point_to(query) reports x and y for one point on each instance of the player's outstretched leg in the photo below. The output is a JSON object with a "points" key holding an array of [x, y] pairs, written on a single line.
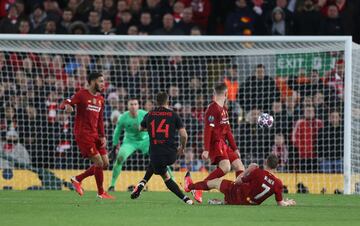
{"points": [[174, 188], [141, 185], [196, 193]]}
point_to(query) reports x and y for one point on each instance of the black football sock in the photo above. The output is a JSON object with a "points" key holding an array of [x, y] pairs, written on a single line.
{"points": [[148, 174], [174, 188]]}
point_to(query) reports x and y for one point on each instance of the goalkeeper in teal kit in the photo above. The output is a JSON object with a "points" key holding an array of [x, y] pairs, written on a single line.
{"points": [[134, 139]]}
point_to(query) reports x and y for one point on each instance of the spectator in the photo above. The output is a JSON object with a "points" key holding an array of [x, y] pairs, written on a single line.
{"points": [[122, 6], [133, 78], [335, 78], [78, 28], [94, 23], [195, 31], [146, 23], [133, 30], [186, 23], [53, 12], [157, 9], [331, 144], [168, 27], [109, 8], [258, 91], [14, 153], [106, 27], [178, 10], [307, 20], [125, 23], [280, 149], [149, 105], [279, 25], [289, 16], [136, 8], [50, 27], [190, 162], [66, 20], [332, 24], [201, 10], [305, 138], [174, 97], [10, 23], [37, 18], [24, 27], [241, 21]]}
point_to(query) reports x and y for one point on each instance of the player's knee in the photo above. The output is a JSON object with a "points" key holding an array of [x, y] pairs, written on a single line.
{"points": [[105, 165], [99, 164], [226, 168]]}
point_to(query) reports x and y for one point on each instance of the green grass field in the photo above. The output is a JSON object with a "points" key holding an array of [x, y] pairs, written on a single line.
{"points": [[50, 208]]}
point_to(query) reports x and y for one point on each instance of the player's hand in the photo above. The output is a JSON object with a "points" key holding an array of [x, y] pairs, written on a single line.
{"points": [[290, 202], [103, 142], [180, 150], [205, 155], [68, 108]]}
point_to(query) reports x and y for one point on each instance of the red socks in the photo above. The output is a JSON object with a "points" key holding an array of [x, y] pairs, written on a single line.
{"points": [[237, 173], [89, 172], [215, 174], [99, 177], [202, 185]]}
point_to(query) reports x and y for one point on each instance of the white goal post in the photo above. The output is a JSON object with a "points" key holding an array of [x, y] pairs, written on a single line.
{"points": [[187, 67]]}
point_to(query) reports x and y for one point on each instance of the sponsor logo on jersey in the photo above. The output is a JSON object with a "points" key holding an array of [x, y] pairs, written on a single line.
{"points": [[95, 108], [225, 121]]}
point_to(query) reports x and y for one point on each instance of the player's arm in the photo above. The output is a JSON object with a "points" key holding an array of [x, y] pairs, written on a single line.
{"points": [[183, 134], [279, 198], [117, 132], [68, 104], [143, 126], [247, 175], [211, 121], [230, 138], [101, 129]]}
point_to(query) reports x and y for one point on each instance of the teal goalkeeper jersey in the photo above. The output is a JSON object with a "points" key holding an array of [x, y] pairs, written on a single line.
{"points": [[131, 126]]}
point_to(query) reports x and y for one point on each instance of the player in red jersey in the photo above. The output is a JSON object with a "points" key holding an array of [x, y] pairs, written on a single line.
{"points": [[217, 132], [89, 131], [251, 188]]}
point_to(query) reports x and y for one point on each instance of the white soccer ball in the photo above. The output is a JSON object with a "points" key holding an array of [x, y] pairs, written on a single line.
{"points": [[265, 120]]}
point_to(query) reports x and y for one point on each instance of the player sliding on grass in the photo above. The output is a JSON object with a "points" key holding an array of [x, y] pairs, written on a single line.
{"points": [[161, 125], [251, 188], [89, 131], [134, 139], [217, 131]]}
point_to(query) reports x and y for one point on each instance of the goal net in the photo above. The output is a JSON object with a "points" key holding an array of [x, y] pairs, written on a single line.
{"points": [[300, 81]]}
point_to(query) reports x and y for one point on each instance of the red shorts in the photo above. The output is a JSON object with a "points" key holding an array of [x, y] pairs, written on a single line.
{"points": [[220, 151], [89, 146], [235, 194]]}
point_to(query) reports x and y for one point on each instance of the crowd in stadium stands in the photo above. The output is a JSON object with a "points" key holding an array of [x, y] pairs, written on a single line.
{"points": [[307, 134]]}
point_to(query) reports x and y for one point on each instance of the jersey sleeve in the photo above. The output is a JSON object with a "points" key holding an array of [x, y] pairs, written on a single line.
{"points": [[212, 120], [278, 191], [178, 122], [143, 122], [118, 128], [74, 100], [101, 129]]}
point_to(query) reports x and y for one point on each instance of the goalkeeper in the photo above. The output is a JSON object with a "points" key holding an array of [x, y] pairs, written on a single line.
{"points": [[134, 139]]}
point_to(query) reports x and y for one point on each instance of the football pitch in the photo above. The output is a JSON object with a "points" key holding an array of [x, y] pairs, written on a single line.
{"points": [[51, 208]]}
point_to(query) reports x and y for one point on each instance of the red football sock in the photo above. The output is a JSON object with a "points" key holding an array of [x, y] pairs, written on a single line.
{"points": [[89, 172], [237, 173], [215, 174], [202, 185], [99, 177]]}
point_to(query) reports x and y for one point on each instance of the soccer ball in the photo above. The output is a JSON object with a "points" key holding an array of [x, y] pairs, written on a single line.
{"points": [[265, 120]]}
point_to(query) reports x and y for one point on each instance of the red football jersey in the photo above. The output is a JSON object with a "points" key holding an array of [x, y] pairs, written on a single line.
{"points": [[217, 126], [89, 118], [261, 185]]}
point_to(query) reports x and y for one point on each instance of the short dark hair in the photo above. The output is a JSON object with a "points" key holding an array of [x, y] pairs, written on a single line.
{"points": [[220, 88], [162, 98], [260, 66], [133, 98], [272, 161], [93, 76]]}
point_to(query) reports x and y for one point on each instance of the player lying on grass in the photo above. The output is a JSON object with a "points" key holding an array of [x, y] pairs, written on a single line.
{"points": [[251, 188], [134, 139]]}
